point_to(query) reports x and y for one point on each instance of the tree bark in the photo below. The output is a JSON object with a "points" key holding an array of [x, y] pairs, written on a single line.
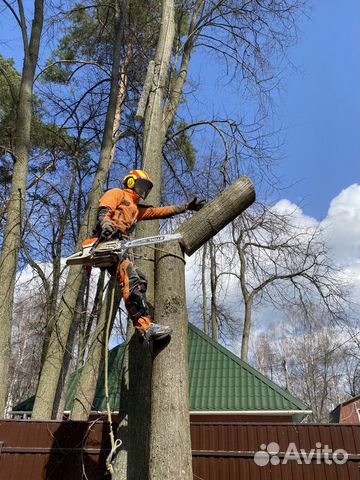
{"points": [[132, 461], [16, 205], [246, 330], [62, 386], [203, 287], [52, 365], [170, 443], [216, 215], [213, 286]]}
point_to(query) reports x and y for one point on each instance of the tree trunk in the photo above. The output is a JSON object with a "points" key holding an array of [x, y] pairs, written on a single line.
{"points": [[62, 386], [132, 460], [134, 425], [246, 330], [170, 443], [216, 215], [94, 314], [87, 381], [52, 365], [213, 281], [16, 205], [170, 453], [53, 292], [154, 131], [203, 287]]}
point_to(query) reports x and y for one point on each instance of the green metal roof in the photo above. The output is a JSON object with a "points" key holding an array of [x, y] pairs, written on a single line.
{"points": [[219, 381], [114, 380]]}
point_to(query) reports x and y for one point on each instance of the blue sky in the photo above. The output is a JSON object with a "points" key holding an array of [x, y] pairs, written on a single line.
{"points": [[321, 107], [318, 108]]}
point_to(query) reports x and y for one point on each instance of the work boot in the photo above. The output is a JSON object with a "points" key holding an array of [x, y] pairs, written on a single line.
{"points": [[157, 332]]}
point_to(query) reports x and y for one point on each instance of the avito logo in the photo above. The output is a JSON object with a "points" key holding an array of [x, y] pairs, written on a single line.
{"points": [[270, 453]]}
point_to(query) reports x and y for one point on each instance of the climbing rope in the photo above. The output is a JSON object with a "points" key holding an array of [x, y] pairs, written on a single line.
{"points": [[115, 444], [144, 257], [167, 252]]}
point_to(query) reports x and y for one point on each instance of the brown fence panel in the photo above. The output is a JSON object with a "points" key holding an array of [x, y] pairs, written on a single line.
{"points": [[230, 451], [34, 450], [53, 450]]}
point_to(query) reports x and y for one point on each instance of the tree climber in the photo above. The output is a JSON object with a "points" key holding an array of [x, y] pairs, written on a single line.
{"points": [[119, 211]]}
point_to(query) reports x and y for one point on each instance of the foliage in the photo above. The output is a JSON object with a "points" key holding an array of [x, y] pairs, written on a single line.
{"points": [[9, 86]]}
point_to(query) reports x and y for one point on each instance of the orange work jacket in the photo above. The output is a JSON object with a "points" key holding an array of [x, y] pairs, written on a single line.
{"points": [[124, 210]]}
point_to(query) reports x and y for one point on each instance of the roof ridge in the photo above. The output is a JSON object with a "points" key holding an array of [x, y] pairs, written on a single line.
{"points": [[248, 367]]}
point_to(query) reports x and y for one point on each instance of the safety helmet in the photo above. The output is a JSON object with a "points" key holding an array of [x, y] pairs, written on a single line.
{"points": [[139, 181]]}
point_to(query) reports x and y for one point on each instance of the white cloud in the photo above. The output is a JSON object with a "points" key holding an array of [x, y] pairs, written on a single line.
{"points": [[299, 219], [28, 282], [342, 225], [341, 229]]}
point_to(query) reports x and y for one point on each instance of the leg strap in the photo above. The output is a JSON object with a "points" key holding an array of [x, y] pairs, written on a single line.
{"points": [[134, 286]]}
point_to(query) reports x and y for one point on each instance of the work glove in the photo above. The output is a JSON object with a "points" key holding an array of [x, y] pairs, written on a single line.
{"points": [[107, 229], [195, 205]]}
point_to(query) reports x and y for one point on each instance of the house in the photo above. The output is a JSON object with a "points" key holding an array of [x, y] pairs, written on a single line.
{"points": [[347, 412], [222, 388]]}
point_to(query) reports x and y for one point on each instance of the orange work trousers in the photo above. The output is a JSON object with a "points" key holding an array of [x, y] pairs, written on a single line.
{"points": [[134, 285]]}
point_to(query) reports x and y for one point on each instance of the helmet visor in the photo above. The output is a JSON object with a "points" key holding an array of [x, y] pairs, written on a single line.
{"points": [[143, 187]]}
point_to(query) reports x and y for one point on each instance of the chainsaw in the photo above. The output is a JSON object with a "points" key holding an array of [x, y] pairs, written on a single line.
{"points": [[97, 253]]}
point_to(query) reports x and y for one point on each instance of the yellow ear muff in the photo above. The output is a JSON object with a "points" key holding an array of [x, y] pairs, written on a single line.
{"points": [[130, 182]]}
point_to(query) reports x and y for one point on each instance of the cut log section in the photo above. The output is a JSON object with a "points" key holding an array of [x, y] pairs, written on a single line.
{"points": [[215, 215]]}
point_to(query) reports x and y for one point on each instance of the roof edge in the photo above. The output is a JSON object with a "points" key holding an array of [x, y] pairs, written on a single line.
{"points": [[250, 412], [345, 402], [199, 412]]}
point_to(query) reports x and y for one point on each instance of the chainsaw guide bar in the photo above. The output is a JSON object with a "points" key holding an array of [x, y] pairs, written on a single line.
{"points": [[107, 253]]}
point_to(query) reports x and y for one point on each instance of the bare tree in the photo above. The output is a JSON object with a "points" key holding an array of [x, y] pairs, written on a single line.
{"points": [[282, 262], [45, 233], [27, 333], [65, 312], [16, 205], [351, 360], [155, 128], [314, 353]]}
